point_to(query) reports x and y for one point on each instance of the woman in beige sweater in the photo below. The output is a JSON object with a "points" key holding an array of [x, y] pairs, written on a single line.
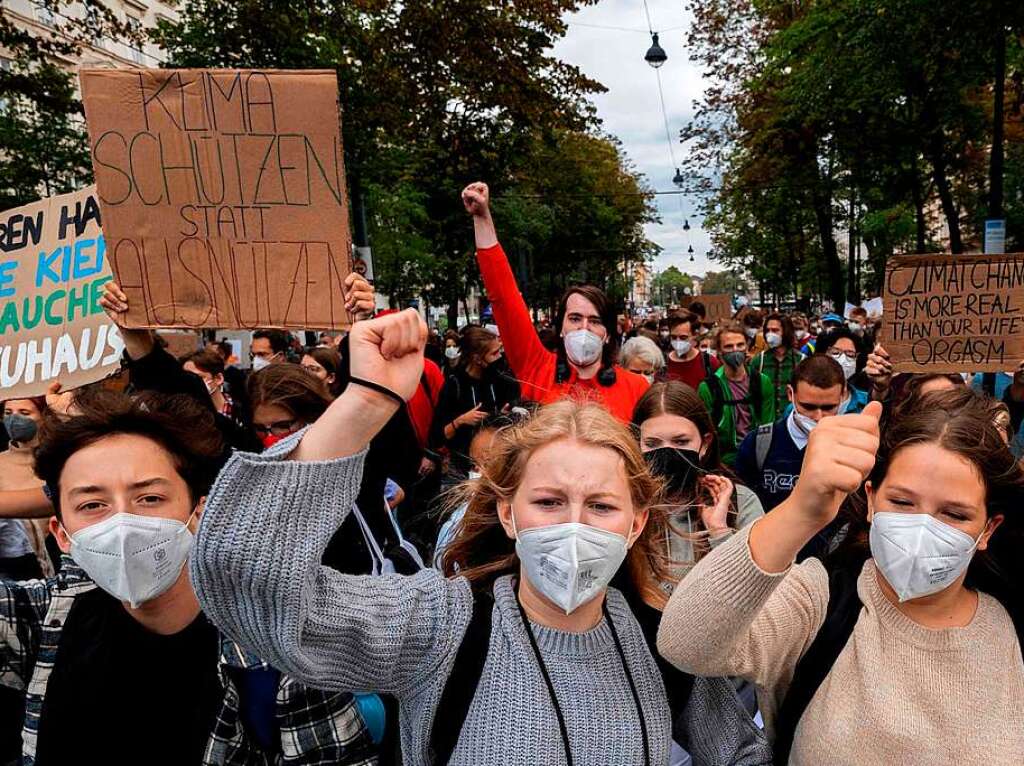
{"points": [[932, 672]]}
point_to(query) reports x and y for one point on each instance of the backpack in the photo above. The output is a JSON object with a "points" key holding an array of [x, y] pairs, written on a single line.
{"points": [[462, 683], [717, 697], [754, 397], [763, 444]]}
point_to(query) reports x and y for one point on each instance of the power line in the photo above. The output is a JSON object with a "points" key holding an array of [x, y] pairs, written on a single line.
{"points": [[613, 28]]}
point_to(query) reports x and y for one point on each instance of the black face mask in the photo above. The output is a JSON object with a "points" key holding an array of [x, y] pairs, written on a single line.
{"points": [[680, 468]]}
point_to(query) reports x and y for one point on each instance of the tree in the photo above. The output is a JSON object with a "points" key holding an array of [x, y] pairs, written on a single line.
{"points": [[670, 285], [435, 94], [721, 282], [43, 146], [863, 115]]}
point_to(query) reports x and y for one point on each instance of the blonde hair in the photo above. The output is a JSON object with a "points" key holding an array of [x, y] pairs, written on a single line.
{"points": [[482, 551]]}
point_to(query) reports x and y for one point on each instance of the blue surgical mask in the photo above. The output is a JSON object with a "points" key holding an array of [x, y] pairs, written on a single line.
{"points": [[20, 428]]}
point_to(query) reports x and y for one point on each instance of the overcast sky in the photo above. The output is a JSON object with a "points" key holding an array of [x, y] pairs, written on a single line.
{"points": [[631, 109]]}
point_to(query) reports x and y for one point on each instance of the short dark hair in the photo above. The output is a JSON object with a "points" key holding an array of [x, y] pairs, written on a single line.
{"points": [[291, 387], [279, 340], [820, 371], [684, 317], [179, 424], [207, 360], [698, 308]]}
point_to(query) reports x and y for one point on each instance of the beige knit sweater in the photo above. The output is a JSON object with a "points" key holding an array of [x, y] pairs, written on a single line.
{"points": [[898, 693]]}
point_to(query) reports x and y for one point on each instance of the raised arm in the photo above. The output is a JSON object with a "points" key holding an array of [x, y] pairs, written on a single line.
{"points": [[256, 562], [745, 610], [25, 504], [522, 346]]}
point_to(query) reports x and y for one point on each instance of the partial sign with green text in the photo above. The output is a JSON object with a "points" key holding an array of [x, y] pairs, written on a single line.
{"points": [[53, 267]]}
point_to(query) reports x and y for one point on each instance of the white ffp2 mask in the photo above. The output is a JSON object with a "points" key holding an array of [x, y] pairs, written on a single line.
{"points": [[570, 563], [583, 347], [133, 558], [681, 347], [917, 554]]}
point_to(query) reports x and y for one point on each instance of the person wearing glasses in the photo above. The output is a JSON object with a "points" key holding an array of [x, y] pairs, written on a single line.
{"points": [[851, 354], [770, 458], [268, 347]]}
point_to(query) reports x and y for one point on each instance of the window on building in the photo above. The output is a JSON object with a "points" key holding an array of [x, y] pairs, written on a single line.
{"points": [[135, 42]]}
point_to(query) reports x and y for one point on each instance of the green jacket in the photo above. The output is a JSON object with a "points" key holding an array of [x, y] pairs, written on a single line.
{"points": [[779, 373], [759, 416]]}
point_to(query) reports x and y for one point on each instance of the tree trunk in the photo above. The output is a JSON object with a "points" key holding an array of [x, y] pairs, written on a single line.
{"points": [[821, 201], [942, 186], [852, 293], [995, 173], [922, 225]]}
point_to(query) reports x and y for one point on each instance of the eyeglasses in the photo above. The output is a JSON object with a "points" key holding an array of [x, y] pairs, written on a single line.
{"points": [[280, 428]]}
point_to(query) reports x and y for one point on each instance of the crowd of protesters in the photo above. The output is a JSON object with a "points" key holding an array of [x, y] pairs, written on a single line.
{"points": [[605, 539]]}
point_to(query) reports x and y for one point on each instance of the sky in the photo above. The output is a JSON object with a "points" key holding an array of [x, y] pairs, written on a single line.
{"points": [[631, 109]]}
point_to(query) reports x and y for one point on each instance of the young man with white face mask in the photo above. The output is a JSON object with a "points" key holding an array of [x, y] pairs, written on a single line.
{"points": [[584, 366], [123, 667], [686, 363], [770, 458]]}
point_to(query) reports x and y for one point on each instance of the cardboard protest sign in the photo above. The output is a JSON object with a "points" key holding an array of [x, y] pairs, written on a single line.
{"points": [[946, 313], [180, 344], [53, 266], [718, 307], [223, 195]]}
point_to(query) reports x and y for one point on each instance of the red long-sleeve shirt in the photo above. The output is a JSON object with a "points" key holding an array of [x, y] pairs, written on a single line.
{"points": [[533, 364]]}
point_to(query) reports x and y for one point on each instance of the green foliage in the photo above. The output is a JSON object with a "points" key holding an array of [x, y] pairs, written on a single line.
{"points": [[870, 115], [436, 94], [669, 286], [43, 146]]}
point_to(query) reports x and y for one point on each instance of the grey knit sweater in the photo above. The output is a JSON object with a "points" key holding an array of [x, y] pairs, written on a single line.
{"points": [[256, 568]]}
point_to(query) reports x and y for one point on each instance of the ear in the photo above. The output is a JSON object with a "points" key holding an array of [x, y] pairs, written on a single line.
{"points": [[869, 491], [993, 525], [330, 379], [505, 517], [639, 522], [705, 444], [219, 379], [57, 530], [790, 394], [197, 514]]}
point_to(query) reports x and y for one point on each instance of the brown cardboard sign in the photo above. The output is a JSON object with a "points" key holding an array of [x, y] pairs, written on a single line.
{"points": [[962, 313], [223, 195], [717, 306], [53, 265]]}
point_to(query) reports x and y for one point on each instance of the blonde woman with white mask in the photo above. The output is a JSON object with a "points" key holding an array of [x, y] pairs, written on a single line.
{"points": [[558, 666], [902, 647]]}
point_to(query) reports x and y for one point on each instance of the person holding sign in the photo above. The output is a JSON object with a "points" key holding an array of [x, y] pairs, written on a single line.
{"points": [[584, 364], [903, 648]]}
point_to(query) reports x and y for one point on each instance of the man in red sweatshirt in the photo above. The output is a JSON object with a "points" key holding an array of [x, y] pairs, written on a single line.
{"points": [[584, 364]]}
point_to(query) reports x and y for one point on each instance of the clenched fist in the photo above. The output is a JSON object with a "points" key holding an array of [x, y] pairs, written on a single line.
{"points": [[840, 455]]}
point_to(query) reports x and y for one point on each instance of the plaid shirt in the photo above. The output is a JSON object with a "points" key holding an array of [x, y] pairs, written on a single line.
{"points": [[317, 728], [780, 373]]}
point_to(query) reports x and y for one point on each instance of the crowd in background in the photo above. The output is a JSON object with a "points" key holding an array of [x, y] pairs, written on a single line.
{"points": [[601, 538]]}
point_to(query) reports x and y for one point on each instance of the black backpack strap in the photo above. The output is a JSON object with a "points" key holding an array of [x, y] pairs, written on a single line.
{"points": [[840, 618], [756, 396], [717, 399], [460, 688]]}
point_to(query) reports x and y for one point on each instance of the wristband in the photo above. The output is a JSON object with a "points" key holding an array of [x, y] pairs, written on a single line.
{"points": [[378, 388]]}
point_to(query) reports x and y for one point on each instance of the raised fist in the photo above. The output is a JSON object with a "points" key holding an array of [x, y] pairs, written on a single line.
{"points": [[840, 455], [477, 199], [388, 351]]}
